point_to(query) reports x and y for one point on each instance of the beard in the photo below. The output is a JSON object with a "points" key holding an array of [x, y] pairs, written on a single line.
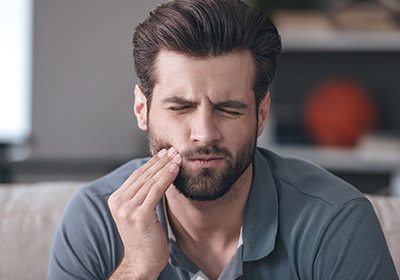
{"points": [[208, 184]]}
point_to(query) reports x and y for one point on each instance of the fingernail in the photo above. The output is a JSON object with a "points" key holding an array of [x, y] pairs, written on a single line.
{"points": [[173, 168], [177, 159], [162, 153], [171, 151]]}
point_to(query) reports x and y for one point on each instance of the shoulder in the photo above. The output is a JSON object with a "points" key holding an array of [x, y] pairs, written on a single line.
{"points": [[300, 179], [310, 198], [324, 221], [109, 183], [87, 242], [91, 201]]}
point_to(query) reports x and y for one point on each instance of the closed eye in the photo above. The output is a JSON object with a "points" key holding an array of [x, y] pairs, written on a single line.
{"points": [[178, 104], [180, 108], [230, 112], [232, 108]]}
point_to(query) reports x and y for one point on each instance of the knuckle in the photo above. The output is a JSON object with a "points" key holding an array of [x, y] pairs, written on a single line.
{"points": [[140, 170], [123, 214], [143, 175], [156, 192], [151, 181]]}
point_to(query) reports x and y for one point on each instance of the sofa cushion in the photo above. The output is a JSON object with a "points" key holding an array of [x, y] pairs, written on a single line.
{"points": [[388, 212], [28, 217]]}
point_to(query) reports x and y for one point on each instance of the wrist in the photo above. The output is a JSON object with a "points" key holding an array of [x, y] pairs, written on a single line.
{"points": [[132, 270]]}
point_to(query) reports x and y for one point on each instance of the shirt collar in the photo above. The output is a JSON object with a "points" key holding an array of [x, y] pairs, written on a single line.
{"points": [[261, 212], [170, 233]]}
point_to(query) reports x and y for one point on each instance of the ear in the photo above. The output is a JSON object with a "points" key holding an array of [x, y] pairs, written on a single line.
{"points": [[140, 108], [263, 113]]}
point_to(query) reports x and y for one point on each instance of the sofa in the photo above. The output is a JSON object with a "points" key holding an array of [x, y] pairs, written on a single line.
{"points": [[29, 214]]}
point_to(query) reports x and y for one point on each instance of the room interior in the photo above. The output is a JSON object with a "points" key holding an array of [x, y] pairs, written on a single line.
{"points": [[80, 123]]}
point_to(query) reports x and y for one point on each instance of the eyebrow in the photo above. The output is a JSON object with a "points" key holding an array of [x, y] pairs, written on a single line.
{"points": [[227, 103], [176, 100]]}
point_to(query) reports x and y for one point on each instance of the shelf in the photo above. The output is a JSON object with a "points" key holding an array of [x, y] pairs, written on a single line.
{"points": [[317, 31], [340, 159], [332, 40]]}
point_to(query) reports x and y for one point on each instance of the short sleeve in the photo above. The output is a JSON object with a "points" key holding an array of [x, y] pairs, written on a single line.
{"points": [[86, 244], [353, 245]]}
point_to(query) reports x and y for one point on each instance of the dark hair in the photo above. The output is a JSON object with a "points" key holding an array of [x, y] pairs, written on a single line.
{"points": [[204, 28]]}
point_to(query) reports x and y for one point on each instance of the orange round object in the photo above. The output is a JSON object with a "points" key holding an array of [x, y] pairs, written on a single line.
{"points": [[339, 112]]}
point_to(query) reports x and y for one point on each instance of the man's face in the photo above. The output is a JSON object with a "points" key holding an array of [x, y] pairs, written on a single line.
{"points": [[204, 108]]}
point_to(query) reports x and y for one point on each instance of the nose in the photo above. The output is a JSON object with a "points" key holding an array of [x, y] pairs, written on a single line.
{"points": [[204, 127]]}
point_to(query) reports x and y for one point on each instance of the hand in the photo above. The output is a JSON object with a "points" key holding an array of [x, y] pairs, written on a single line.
{"points": [[133, 207]]}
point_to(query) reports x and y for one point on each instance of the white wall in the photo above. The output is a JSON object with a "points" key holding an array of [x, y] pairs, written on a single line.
{"points": [[83, 79]]}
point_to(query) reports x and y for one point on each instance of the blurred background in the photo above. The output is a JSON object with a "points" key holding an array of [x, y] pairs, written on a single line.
{"points": [[67, 88], [77, 103]]}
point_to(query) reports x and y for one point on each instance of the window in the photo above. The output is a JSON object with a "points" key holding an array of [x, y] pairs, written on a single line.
{"points": [[15, 70]]}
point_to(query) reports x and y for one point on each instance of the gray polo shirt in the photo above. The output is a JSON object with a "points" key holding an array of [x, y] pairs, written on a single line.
{"points": [[300, 222]]}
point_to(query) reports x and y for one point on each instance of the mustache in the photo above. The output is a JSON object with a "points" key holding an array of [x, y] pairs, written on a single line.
{"points": [[156, 145], [213, 150]]}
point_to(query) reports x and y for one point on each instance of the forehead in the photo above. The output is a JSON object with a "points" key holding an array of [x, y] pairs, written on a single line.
{"points": [[225, 76]]}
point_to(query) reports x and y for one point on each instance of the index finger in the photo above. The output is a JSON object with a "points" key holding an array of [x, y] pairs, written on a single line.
{"points": [[157, 162]]}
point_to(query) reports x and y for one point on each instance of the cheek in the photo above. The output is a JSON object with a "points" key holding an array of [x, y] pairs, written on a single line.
{"points": [[166, 125], [243, 128], [169, 130], [245, 133], [238, 138]]}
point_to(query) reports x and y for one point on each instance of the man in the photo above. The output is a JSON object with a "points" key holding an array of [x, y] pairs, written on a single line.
{"points": [[209, 204]]}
